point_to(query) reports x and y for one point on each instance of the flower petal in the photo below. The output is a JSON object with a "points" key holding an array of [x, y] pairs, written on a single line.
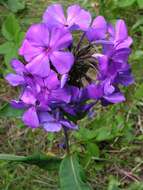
{"points": [[121, 55], [28, 97], [68, 124], [64, 79], [39, 66], [97, 30], [18, 66], [52, 82], [60, 38], [38, 34], [52, 126], [17, 104], [15, 79], [29, 51], [121, 32], [61, 95], [30, 118], [125, 78], [79, 17], [62, 61], [94, 91], [108, 87], [125, 44], [54, 16], [115, 98]]}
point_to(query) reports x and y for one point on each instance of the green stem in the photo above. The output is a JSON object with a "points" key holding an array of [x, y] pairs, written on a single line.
{"points": [[66, 141]]}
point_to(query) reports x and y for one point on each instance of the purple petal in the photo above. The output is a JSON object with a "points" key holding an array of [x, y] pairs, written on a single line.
{"points": [[115, 98], [30, 118], [18, 66], [68, 124], [28, 97], [121, 55], [121, 32], [103, 64], [79, 17], [111, 31], [18, 104], [125, 78], [38, 35], [45, 117], [125, 44], [62, 61], [60, 38], [97, 30], [87, 107], [54, 16], [29, 51], [75, 93], [61, 95], [94, 91], [14, 79], [64, 79], [52, 126], [108, 88], [39, 66], [52, 82]]}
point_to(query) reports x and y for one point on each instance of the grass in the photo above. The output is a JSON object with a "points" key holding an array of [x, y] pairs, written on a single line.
{"points": [[117, 159]]}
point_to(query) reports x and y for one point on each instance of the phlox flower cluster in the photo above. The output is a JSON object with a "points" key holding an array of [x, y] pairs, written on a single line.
{"points": [[68, 63]]}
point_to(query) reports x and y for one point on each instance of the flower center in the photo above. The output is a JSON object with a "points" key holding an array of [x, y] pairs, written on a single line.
{"points": [[48, 50]]}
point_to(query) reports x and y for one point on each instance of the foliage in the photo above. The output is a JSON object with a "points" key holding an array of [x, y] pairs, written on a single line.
{"points": [[46, 162], [13, 37], [71, 174], [14, 5]]}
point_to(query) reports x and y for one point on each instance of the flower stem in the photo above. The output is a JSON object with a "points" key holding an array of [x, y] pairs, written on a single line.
{"points": [[66, 141]]}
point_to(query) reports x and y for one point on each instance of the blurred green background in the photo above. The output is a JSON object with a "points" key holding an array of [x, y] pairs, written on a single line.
{"points": [[110, 146]]}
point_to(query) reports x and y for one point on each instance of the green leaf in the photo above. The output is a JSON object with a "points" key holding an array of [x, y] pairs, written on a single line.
{"points": [[10, 27], [5, 47], [7, 111], [93, 149], [125, 3], [140, 3], [136, 186], [16, 5], [113, 184], [71, 175], [10, 54], [139, 92], [9, 50], [85, 134], [103, 133], [19, 38], [46, 162]]}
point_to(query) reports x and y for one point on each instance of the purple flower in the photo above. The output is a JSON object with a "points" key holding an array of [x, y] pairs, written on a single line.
{"points": [[38, 94], [113, 61], [118, 38], [53, 122], [105, 92], [116, 67], [57, 89], [42, 46], [119, 35], [97, 30], [78, 106], [18, 78], [35, 103], [77, 18]]}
